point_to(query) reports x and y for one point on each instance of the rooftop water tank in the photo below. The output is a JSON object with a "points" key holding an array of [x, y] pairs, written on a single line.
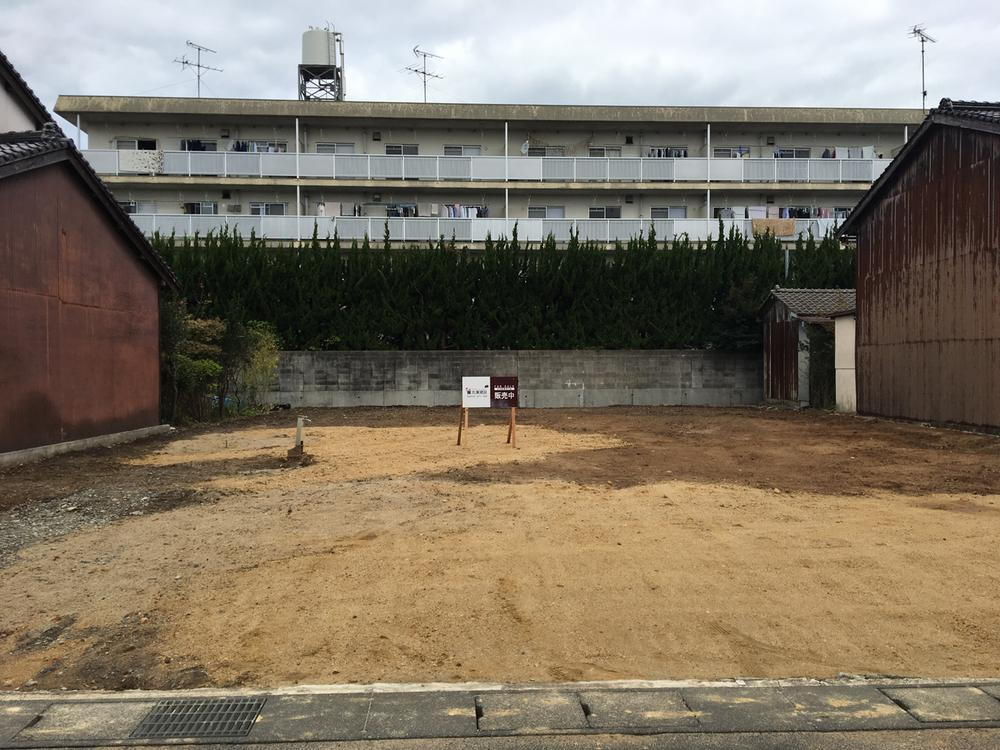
{"points": [[318, 46]]}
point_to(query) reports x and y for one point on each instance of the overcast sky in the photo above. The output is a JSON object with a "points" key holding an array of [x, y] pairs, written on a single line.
{"points": [[708, 52]]}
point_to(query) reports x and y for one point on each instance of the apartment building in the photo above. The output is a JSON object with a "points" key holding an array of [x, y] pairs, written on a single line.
{"points": [[286, 168]]}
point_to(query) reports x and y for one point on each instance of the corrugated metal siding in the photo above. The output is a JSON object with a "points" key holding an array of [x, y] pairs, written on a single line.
{"points": [[781, 355], [79, 317], [928, 335]]}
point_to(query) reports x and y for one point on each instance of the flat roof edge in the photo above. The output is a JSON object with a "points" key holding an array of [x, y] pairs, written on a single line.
{"points": [[71, 105]]}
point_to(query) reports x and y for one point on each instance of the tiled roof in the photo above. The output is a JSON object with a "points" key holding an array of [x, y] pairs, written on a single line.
{"points": [[979, 111], [819, 303], [17, 146]]}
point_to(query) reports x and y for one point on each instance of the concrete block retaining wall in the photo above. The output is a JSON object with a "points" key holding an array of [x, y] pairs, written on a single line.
{"points": [[550, 378]]}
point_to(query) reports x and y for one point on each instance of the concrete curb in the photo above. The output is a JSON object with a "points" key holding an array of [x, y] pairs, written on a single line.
{"points": [[477, 711], [42, 452]]}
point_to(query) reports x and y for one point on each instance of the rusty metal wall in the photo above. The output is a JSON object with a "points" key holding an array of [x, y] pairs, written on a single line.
{"points": [[928, 322], [79, 317], [781, 355]]}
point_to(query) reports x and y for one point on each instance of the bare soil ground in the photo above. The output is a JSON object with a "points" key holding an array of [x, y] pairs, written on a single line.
{"points": [[613, 543]]}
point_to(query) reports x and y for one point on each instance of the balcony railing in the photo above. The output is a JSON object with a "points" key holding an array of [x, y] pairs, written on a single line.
{"points": [[463, 230], [481, 168]]}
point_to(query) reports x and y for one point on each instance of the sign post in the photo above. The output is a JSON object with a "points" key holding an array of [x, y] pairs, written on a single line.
{"points": [[484, 392]]}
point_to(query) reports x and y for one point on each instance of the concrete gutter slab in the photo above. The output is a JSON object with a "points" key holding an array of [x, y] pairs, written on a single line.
{"points": [[947, 703], [291, 718], [745, 709], [530, 712], [848, 708], [86, 721], [421, 715], [16, 716], [637, 710]]}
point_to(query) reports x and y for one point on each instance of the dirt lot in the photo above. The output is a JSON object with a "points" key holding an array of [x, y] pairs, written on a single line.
{"points": [[614, 543]]}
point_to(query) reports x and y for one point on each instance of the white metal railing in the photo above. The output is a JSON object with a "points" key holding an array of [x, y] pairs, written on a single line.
{"points": [[479, 168], [463, 230]]}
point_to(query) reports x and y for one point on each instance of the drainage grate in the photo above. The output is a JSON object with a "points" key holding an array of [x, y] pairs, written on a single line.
{"points": [[200, 717]]}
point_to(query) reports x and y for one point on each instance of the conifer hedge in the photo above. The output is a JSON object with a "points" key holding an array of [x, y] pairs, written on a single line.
{"points": [[509, 295]]}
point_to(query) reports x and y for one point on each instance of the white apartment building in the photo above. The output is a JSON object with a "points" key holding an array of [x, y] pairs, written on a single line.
{"points": [[283, 168]]}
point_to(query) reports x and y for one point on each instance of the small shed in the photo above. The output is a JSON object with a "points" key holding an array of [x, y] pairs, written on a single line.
{"points": [[844, 362], [798, 344], [928, 239], [79, 295]]}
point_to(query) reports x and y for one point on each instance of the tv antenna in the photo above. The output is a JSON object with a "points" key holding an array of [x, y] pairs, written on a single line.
{"points": [[917, 32], [422, 71], [198, 67]]}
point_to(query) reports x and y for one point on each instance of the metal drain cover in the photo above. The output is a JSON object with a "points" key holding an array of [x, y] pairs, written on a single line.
{"points": [[200, 717]]}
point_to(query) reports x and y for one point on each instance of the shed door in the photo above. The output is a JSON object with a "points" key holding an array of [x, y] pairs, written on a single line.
{"points": [[781, 360]]}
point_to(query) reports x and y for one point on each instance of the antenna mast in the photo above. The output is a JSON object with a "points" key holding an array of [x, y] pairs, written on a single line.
{"points": [[917, 32], [422, 71], [198, 67]]}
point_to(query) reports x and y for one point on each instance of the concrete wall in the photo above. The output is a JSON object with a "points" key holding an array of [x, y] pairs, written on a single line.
{"points": [[547, 378], [12, 115], [843, 362], [79, 315]]}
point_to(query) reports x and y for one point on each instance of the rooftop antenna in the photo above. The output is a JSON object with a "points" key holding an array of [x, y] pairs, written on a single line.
{"points": [[917, 32], [198, 67], [422, 71]]}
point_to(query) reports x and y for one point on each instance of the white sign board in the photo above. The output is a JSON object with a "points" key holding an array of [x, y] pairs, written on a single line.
{"points": [[476, 392]]}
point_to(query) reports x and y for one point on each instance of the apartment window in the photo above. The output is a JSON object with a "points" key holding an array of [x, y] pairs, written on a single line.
{"points": [[667, 152], [463, 150], [279, 147], [730, 152], [792, 153], [841, 212], [605, 212], [201, 207], [197, 144], [546, 151], [546, 212], [668, 212], [135, 144], [605, 151], [401, 149], [334, 148], [138, 207], [267, 209]]}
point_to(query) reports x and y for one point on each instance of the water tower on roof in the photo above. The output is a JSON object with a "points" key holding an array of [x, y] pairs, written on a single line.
{"points": [[321, 73]]}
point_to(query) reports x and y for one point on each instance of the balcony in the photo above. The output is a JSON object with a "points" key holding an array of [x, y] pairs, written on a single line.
{"points": [[464, 230], [481, 168]]}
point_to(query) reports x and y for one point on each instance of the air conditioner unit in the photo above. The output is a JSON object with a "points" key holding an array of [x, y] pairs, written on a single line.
{"points": [[235, 208]]}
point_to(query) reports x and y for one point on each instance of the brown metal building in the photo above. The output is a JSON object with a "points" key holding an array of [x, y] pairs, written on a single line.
{"points": [[928, 236], [788, 359], [79, 294]]}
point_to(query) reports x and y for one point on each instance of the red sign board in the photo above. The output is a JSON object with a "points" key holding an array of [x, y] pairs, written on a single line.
{"points": [[503, 392]]}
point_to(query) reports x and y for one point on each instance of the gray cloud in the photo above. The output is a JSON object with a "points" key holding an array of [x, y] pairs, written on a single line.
{"points": [[723, 52]]}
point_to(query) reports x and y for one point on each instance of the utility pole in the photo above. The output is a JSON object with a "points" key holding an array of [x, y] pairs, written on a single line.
{"points": [[917, 32], [422, 71], [198, 67]]}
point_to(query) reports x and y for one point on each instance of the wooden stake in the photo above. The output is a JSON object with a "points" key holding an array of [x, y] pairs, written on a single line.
{"points": [[466, 419], [512, 428], [463, 416]]}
